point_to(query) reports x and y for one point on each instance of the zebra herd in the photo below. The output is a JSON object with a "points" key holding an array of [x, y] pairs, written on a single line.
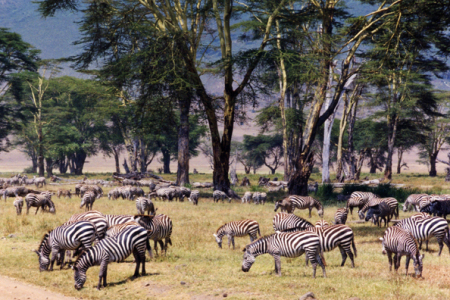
{"points": [[99, 239]]}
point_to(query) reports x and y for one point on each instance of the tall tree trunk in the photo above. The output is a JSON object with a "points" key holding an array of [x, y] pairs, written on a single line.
{"points": [[392, 132], [166, 161], [49, 168], [433, 171], [78, 159], [399, 163], [350, 145], [183, 140], [342, 126], [34, 163], [125, 166], [298, 185], [373, 162], [40, 153], [327, 133], [63, 165], [247, 169], [116, 153]]}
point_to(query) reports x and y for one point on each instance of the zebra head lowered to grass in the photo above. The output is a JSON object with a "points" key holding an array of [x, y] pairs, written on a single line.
{"points": [[284, 222], [114, 249], [306, 202], [239, 229], [287, 244], [65, 237], [413, 201], [400, 242]]}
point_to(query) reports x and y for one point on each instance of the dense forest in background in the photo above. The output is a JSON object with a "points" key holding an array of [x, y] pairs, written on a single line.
{"points": [[144, 86]]}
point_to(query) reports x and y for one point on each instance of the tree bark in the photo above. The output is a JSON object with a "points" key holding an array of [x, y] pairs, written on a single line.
{"points": [[350, 145], [183, 140], [40, 154], [34, 163], [327, 133], [166, 161], [433, 171], [116, 153], [400, 157], [373, 162], [49, 168], [77, 162], [392, 132], [298, 185]]}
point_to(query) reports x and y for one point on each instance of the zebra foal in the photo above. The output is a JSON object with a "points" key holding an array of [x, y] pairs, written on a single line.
{"points": [[239, 229], [287, 244], [400, 242], [113, 249], [284, 222], [18, 204], [65, 237], [88, 200]]}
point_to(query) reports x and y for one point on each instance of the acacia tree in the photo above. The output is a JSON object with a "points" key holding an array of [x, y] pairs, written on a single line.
{"points": [[186, 23]]}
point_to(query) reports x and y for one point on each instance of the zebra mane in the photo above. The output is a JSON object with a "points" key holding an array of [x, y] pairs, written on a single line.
{"points": [[259, 240], [221, 227], [41, 244], [80, 256]]}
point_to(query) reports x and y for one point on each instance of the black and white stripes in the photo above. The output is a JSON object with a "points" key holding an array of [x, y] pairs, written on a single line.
{"points": [[237, 228], [113, 249]]}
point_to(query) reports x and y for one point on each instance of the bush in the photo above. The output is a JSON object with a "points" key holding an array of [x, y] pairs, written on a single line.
{"points": [[28, 170]]}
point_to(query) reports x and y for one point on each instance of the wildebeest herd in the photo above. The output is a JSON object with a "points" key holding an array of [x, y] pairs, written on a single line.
{"points": [[94, 238]]}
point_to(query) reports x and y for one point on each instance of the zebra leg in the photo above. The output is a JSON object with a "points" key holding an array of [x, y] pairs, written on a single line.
{"points": [[389, 255], [408, 257], [319, 259], [156, 247], [232, 241], [102, 274], [420, 244], [28, 208], [344, 256], [137, 258], [37, 210], [426, 245], [277, 259], [161, 244], [62, 255], [398, 258], [54, 252], [441, 245]]}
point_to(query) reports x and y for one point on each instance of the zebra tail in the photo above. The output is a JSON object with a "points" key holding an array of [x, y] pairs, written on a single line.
{"points": [[149, 248], [169, 241], [354, 247]]}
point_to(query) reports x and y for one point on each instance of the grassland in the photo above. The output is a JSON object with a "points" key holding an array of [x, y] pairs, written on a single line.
{"points": [[209, 272]]}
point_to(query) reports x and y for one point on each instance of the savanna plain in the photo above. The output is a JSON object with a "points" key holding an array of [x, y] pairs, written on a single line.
{"points": [[195, 268]]}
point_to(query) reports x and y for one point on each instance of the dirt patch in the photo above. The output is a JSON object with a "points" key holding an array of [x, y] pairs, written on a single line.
{"points": [[12, 289]]}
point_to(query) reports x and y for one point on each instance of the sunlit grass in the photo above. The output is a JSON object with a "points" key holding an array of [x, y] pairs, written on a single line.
{"points": [[206, 270]]}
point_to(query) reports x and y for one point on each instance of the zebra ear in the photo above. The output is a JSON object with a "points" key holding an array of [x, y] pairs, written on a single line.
{"points": [[37, 252], [245, 249]]}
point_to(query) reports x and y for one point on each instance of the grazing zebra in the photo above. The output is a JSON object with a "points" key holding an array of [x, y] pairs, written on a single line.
{"points": [[262, 198], [185, 192], [284, 222], [195, 194], [392, 202], [413, 201], [113, 194], [285, 205], [65, 237], [18, 204], [239, 229], [336, 236], [359, 199], [400, 242], [287, 244], [92, 188], [165, 194], [247, 197], [340, 216], [306, 202], [321, 223], [114, 249], [256, 197], [160, 227], [381, 211], [65, 193], [219, 195], [88, 200], [145, 205], [422, 229], [42, 200], [95, 217]]}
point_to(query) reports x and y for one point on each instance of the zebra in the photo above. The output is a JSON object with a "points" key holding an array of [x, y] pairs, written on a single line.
{"points": [[165, 194], [194, 197], [40, 182], [284, 222], [422, 229], [247, 197], [262, 198], [287, 244], [219, 195], [359, 199], [340, 216], [306, 202], [381, 211], [413, 201], [239, 229], [88, 200], [65, 193], [321, 223], [336, 236], [185, 192], [285, 205], [113, 194], [65, 237], [93, 188], [255, 197], [18, 204], [136, 192], [160, 227], [114, 249], [42, 200], [392, 202], [145, 205], [95, 217], [400, 242]]}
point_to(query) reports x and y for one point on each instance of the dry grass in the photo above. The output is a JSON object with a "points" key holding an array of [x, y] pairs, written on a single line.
{"points": [[208, 271]]}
